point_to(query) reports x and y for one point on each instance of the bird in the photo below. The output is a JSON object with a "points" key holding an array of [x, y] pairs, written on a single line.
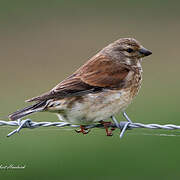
{"points": [[101, 88]]}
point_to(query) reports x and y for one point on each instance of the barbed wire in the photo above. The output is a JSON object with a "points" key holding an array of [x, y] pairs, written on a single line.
{"points": [[123, 125]]}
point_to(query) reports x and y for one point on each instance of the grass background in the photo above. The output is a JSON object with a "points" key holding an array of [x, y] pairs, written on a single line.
{"points": [[42, 42]]}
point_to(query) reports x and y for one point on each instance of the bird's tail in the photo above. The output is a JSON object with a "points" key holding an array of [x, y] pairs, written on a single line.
{"points": [[28, 110]]}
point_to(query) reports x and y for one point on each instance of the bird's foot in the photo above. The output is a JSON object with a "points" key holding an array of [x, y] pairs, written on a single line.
{"points": [[106, 126], [82, 130]]}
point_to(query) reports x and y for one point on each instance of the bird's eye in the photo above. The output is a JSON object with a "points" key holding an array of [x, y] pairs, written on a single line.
{"points": [[129, 50]]}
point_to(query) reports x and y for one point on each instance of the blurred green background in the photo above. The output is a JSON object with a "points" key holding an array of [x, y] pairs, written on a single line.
{"points": [[42, 42]]}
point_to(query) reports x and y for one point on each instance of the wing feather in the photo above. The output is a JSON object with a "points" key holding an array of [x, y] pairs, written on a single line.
{"points": [[98, 73]]}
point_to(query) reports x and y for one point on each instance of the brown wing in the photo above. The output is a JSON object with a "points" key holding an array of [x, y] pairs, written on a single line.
{"points": [[97, 74], [102, 72], [72, 86]]}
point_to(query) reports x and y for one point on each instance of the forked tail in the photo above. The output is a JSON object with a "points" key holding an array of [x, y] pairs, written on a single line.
{"points": [[28, 110]]}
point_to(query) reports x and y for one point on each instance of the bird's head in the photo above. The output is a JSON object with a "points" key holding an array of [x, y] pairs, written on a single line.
{"points": [[127, 50]]}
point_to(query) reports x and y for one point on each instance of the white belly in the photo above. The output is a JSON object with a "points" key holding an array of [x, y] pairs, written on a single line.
{"points": [[91, 108]]}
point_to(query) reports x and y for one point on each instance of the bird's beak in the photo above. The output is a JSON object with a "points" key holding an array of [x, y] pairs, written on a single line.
{"points": [[144, 52]]}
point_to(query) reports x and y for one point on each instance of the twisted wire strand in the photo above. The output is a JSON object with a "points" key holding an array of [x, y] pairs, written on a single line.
{"points": [[123, 125]]}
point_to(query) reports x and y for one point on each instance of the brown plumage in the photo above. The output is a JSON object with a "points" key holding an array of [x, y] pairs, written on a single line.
{"points": [[102, 87], [96, 74]]}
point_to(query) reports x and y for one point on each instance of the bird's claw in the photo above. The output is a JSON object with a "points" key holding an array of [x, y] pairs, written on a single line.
{"points": [[106, 126], [82, 130]]}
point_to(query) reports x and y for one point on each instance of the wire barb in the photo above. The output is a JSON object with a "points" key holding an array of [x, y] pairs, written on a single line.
{"points": [[22, 124]]}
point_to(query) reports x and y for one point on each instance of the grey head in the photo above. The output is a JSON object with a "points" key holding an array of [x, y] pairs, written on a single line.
{"points": [[126, 50]]}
